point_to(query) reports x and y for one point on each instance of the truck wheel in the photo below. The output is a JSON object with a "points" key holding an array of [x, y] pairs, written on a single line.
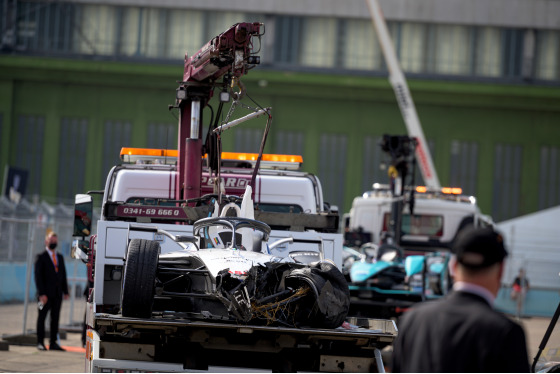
{"points": [[137, 295]]}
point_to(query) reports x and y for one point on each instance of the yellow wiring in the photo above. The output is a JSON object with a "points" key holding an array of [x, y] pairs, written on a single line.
{"points": [[270, 310]]}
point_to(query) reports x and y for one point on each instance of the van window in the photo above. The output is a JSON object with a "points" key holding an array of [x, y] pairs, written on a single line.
{"points": [[280, 208], [418, 224], [149, 201]]}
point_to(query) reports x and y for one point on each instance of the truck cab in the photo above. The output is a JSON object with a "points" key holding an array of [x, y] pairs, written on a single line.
{"points": [[141, 191], [138, 202], [280, 185]]}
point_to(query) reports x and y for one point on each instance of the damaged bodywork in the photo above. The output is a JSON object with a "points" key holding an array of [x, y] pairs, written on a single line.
{"points": [[224, 272]]}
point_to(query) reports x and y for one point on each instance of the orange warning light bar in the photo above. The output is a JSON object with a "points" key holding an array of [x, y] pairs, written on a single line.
{"points": [[265, 157], [148, 152], [444, 190], [148, 156], [269, 161], [169, 156], [452, 190]]}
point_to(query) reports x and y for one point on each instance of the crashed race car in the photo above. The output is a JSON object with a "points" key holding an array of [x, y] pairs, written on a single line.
{"points": [[226, 272]]}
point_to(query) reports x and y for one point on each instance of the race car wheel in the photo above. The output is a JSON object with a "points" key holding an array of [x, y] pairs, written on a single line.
{"points": [[328, 304], [137, 295]]}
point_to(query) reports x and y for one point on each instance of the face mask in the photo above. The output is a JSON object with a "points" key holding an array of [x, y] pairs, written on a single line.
{"points": [[52, 245]]}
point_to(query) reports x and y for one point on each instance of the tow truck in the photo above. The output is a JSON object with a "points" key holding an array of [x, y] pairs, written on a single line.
{"points": [[439, 212], [164, 199], [398, 236]]}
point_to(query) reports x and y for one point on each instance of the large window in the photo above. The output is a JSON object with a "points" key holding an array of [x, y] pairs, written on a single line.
{"points": [[319, 43], [430, 225], [184, 33], [413, 46], [488, 58], [360, 50], [218, 22], [452, 50], [507, 181], [72, 157], [143, 32], [29, 150], [287, 39], [42, 26], [95, 30], [549, 177], [299, 41], [512, 50], [548, 55]]}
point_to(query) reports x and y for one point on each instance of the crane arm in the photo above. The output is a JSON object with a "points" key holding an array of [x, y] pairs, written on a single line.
{"points": [[404, 98], [228, 56], [231, 51]]}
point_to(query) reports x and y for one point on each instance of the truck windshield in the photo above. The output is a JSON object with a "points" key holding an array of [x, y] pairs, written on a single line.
{"points": [[418, 224], [276, 208], [280, 208], [149, 201]]}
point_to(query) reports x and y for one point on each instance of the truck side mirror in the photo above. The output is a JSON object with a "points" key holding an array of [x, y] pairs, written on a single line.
{"points": [[83, 213], [80, 250]]}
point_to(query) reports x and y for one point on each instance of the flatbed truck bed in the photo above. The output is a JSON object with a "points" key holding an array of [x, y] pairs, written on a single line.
{"points": [[170, 343]]}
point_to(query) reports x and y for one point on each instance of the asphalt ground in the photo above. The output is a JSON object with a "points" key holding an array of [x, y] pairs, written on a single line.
{"points": [[27, 359]]}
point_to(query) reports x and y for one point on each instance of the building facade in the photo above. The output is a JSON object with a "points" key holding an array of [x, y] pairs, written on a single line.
{"points": [[80, 79]]}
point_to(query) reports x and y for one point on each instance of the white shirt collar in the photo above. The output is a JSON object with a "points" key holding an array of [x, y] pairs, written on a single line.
{"points": [[51, 252], [475, 289]]}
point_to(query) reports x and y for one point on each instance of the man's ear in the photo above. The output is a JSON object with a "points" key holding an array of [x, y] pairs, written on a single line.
{"points": [[453, 265], [501, 271]]}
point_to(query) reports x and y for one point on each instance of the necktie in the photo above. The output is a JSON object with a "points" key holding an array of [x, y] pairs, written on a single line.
{"points": [[54, 261]]}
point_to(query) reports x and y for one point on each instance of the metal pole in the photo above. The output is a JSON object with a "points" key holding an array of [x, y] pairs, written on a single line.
{"points": [[11, 239], [192, 156], [546, 336], [31, 245], [379, 360], [238, 121], [73, 295], [404, 98], [184, 134]]}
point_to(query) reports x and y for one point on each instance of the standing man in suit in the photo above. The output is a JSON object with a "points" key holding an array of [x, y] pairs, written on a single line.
{"points": [[52, 287], [462, 332]]}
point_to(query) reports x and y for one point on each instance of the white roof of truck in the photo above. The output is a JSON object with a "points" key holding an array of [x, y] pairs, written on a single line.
{"points": [[272, 187]]}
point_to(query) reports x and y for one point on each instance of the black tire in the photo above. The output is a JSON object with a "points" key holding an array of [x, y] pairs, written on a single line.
{"points": [[328, 307], [137, 297]]}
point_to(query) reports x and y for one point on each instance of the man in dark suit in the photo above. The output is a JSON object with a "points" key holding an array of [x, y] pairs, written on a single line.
{"points": [[52, 287], [462, 332]]}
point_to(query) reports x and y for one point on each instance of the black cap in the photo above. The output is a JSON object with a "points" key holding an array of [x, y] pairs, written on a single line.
{"points": [[479, 247]]}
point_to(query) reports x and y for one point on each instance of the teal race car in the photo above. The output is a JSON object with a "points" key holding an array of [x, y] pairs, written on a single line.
{"points": [[384, 282]]}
